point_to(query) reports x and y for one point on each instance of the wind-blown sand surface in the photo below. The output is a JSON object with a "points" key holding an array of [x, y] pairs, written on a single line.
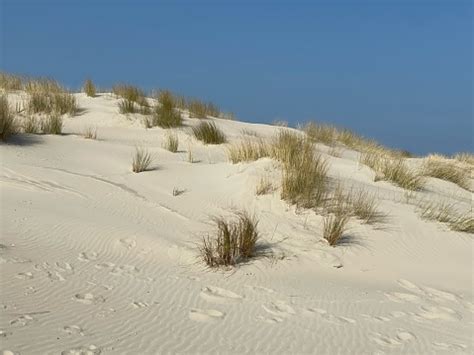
{"points": [[96, 259]]}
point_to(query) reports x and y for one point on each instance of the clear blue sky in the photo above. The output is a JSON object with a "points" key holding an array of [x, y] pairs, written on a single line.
{"points": [[397, 71]]}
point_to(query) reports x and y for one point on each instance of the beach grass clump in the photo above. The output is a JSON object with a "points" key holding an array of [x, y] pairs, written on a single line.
{"points": [[127, 106], [31, 125], [445, 213], [171, 142], [90, 132], [209, 133], [8, 124], [334, 227], [11, 82], [322, 133], [141, 160], [200, 109], [248, 150], [234, 241], [447, 169], [365, 207], [264, 186], [89, 88], [52, 124], [48, 97], [166, 113], [465, 158], [304, 173]]}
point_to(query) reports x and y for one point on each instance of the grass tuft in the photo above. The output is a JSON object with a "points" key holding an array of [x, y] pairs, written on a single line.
{"points": [[171, 143], [334, 227], [90, 133], [248, 150], [165, 114], [235, 241], [264, 186], [31, 125], [200, 109], [446, 169], [8, 125], [89, 88], [52, 124], [209, 133], [445, 213], [141, 160]]}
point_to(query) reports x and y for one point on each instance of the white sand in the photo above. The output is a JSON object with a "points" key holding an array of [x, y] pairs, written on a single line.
{"points": [[97, 259]]}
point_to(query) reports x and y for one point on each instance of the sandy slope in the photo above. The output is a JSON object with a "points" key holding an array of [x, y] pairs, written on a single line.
{"points": [[96, 259]]}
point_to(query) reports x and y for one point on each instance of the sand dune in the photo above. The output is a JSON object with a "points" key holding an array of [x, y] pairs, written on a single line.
{"points": [[98, 260]]}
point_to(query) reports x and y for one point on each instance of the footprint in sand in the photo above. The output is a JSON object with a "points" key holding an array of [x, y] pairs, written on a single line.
{"points": [[407, 285], [86, 257], [401, 297], [271, 320], [219, 295], [4, 334], [450, 347], [330, 317], [260, 288], [435, 313], [128, 243], [83, 350], [73, 330], [205, 315], [279, 309], [88, 298], [124, 270], [105, 265], [139, 304], [24, 275], [400, 338], [22, 320]]}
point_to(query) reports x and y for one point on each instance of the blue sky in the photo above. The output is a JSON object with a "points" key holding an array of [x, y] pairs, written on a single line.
{"points": [[397, 71]]}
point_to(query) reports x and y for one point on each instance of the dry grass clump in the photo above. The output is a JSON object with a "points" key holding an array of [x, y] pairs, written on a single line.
{"points": [[248, 150], [209, 133], [47, 96], [166, 114], [444, 212], [334, 227], [8, 125], [304, 180], [89, 88], [90, 133], [200, 109], [52, 124], [141, 160], [393, 169], [235, 241], [133, 99], [171, 143], [10, 82], [446, 169]]}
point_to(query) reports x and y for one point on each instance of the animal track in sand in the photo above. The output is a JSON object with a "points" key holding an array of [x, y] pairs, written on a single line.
{"points": [[105, 265], [449, 347], [401, 297], [279, 309], [88, 298], [73, 330], [24, 275], [400, 338], [219, 295], [128, 243], [83, 350], [22, 320], [86, 257], [205, 315], [124, 270]]}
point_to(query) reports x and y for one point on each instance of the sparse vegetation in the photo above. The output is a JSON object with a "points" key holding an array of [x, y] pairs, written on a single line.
{"points": [[264, 186], [90, 133], [89, 88], [248, 150], [8, 125], [322, 133], [209, 133], [235, 240], [447, 169], [10, 82], [141, 160], [165, 114], [466, 158], [171, 142], [47, 96], [127, 106], [364, 206]]}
